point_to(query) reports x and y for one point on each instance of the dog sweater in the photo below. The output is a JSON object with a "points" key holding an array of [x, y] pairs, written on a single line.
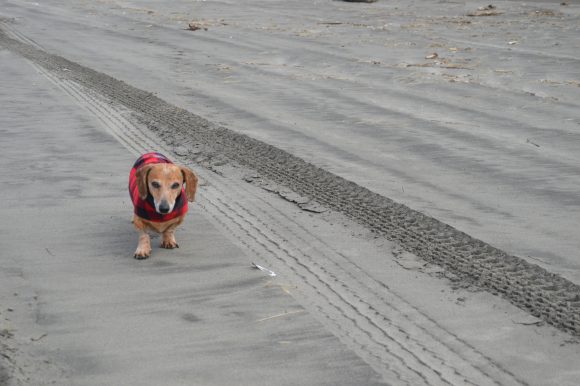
{"points": [[146, 208]]}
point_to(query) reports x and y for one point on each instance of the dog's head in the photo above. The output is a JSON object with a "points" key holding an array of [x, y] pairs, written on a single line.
{"points": [[164, 181]]}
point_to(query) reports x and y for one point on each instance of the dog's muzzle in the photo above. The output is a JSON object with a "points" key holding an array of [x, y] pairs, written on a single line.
{"points": [[164, 207]]}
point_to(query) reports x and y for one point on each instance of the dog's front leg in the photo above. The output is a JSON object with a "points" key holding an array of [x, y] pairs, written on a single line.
{"points": [[169, 238], [143, 250]]}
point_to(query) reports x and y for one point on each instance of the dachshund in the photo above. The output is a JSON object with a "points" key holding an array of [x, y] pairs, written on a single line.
{"points": [[159, 191]]}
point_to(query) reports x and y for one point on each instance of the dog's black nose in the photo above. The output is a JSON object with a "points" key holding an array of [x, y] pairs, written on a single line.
{"points": [[164, 207]]}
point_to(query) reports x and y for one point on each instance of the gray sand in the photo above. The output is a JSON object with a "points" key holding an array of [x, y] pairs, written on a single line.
{"points": [[483, 137]]}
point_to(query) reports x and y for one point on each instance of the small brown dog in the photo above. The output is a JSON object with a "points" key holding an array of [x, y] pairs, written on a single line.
{"points": [[159, 190]]}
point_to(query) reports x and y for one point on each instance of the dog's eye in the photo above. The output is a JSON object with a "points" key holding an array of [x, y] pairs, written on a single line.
{"points": [[175, 185], [155, 184]]}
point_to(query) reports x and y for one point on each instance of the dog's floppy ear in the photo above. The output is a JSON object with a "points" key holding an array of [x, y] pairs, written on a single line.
{"points": [[190, 180], [141, 177]]}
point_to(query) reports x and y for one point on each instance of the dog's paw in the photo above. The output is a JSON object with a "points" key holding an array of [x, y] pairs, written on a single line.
{"points": [[169, 244], [141, 254]]}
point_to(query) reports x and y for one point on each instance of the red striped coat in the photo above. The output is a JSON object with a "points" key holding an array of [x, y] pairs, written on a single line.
{"points": [[146, 208]]}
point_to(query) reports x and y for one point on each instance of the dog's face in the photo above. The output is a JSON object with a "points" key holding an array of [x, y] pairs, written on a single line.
{"points": [[164, 182]]}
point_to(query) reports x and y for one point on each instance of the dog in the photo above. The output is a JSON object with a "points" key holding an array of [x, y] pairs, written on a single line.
{"points": [[159, 190]]}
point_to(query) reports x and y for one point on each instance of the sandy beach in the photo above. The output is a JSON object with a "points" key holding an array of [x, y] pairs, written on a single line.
{"points": [[409, 170]]}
